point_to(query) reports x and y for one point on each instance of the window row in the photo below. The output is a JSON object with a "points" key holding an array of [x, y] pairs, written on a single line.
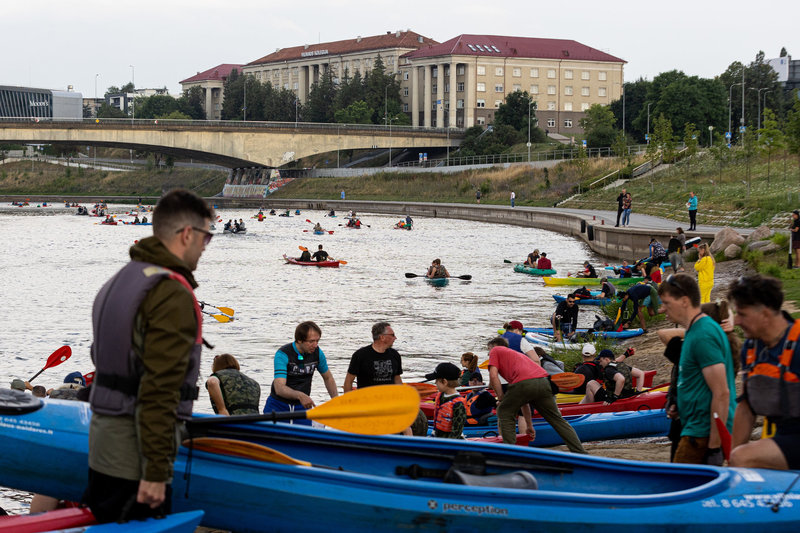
{"points": [[551, 73]]}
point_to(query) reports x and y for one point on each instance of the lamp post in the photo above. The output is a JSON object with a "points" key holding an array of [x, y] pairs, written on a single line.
{"points": [[244, 105], [531, 103], [730, 103], [648, 123], [133, 101], [710, 138], [758, 96]]}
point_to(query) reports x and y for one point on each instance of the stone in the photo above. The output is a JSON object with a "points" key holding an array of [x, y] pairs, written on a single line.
{"points": [[758, 245], [760, 233], [732, 251], [771, 247], [724, 238]]}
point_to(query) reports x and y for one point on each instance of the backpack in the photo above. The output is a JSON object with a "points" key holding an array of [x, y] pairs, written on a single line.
{"points": [[603, 324], [583, 292]]}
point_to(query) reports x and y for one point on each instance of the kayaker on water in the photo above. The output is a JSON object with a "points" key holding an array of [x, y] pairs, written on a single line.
{"points": [[305, 256], [146, 317], [241, 226], [230, 391], [320, 255], [532, 259], [228, 225], [318, 227], [565, 319], [295, 365], [450, 413], [588, 271], [437, 270], [544, 263]]}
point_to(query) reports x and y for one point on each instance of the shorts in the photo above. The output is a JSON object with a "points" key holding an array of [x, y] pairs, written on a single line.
{"points": [[795, 244], [691, 450], [274, 404], [788, 440]]}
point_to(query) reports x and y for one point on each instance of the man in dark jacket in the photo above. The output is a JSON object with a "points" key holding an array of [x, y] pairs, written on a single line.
{"points": [[146, 350], [620, 198]]}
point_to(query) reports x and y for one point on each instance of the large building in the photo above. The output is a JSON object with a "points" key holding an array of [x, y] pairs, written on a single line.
{"points": [[28, 102], [299, 67], [212, 82], [461, 82]]}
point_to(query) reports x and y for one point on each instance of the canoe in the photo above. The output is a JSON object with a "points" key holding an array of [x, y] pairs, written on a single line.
{"points": [[590, 427], [293, 261], [137, 223], [438, 282], [534, 271], [624, 334], [319, 232], [395, 483], [589, 281], [234, 232], [81, 520], [584, 301]]}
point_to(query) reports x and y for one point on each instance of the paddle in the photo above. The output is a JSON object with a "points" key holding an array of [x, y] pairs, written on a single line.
{"points": [[329, 231], [507, 261], [227, 310], [412, 275], [724, 436], [219, 318], [55, 359], [378, 410], [245, 449]]}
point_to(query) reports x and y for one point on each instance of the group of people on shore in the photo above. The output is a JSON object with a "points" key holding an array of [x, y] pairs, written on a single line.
{"points": [[625, 203]]}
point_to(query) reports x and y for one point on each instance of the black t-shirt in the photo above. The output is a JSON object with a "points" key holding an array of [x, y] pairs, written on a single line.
{"points": [[673, 246], [592, 273], [373, 368], [569, 315], [796, 234], [320, 255]]}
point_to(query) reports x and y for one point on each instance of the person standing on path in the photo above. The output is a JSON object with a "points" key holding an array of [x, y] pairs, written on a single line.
{"points": [[478, 196], [620, 199], [795, 229], [692, 205], [513, 197], [342, 194], [147, 329], [626, 209], [705, 272]]}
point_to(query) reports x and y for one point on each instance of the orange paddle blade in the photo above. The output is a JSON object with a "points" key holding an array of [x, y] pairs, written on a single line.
{"points": [[484, 365], [240, 448], [567, 380], [424, 389]]}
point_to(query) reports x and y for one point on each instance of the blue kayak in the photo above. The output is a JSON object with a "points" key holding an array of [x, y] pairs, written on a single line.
{"points": [[585, 301], [395, 483], [438, 282], [624, 334]]}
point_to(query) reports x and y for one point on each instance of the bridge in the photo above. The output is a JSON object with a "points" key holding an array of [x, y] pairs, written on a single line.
{"points": [[233, 144]]}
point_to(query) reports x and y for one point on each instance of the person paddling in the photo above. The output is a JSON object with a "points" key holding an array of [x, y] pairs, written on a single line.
{"points": [[437, 270]]}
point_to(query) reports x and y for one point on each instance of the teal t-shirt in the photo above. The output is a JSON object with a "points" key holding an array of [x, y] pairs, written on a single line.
{"points": [[705, 345]]}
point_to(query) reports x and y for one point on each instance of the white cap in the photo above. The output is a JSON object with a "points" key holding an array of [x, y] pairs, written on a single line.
{"points": [[588, 350]]}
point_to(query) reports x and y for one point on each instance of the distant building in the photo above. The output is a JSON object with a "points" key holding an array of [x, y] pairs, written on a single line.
{"points": [[461, 82], [788, 71], [29, 102], [299, 67], [212, 82], [122, 101], [92, 106]]}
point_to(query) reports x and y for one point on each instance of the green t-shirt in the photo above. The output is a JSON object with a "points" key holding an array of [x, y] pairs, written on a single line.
{"points": [[705, 345]]}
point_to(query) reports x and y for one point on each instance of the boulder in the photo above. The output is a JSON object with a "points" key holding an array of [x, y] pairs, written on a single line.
{"points": [[771, 247], [732, 251], [760, 233], [758, 245], [724, 238]]}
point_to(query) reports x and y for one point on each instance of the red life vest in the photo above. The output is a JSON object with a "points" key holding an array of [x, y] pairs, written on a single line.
{"points": [[774, 390], [443, 413]]}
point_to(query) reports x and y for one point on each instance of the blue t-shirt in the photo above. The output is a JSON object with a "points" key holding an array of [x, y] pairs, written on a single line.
{"points": [[705, 344], [693, 203], [282, 362]]}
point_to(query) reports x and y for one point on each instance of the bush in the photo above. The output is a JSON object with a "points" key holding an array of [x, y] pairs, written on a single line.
{"points": [[719, 257], [773, 270], [781, 239]]}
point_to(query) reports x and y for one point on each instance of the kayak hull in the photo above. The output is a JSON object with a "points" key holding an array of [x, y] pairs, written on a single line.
{"points": [[589, 281], [534, 271], [80, 520], [364, 483], [438, 282], [584, 301], [329, 264], [624, 334]]}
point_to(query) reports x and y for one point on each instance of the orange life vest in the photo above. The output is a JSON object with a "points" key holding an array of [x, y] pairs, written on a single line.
{"points": [[774, 390], [443, 413]]}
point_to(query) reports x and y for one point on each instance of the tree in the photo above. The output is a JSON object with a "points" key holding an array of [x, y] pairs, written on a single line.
{"points": [[581, 162], [321, 97], [620, 146], [355, 113], [382, 93], [770, 139], [663, 138], [190, 103], [691, 138], [635, 109], [107, 111], [155, 106], [234, 96], [281, 105], [793, 128], [598, 125], [515, 111]]}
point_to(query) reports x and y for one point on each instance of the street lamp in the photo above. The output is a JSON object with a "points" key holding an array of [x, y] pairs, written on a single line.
{"points": [[710, 138], [133, 102], [759, 101], [531, 103], [648, 123], [730, 103]]}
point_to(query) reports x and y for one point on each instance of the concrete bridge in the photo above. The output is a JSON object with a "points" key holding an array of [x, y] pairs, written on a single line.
{"points": [[233, 144]]}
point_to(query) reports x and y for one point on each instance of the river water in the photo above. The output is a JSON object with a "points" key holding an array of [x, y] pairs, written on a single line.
{"points": [[53, 263]]}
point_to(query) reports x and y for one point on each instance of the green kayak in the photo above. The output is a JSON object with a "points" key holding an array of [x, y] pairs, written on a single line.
{"points": [[534, 271], [624, 282], [438, 282]]}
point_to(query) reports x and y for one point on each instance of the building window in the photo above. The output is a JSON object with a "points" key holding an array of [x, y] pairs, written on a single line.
{"points": [[295, 86], [447, 70], [481, 87], [497, 103], [567, 106], [405, 107], [481, 103], [568, 90], [534, 89], [517, 87], [567, 74], [585, 91], [405, 75], [435, 72], [434, 87], [447, 87], [498, 71], [601, 91], [602, 75], [517, 72], [551, 106], [460, 87], [481, 121], [584, 106], [481, 71], [294, 71], [460, 70], [405, 91], [551, 123], [551, 73], [258, 75], [286, 85], [447, 104], [567, 122], [367, 63], [498, 88], [551, 89], [460, 103], [390, 61], [534, 73]]}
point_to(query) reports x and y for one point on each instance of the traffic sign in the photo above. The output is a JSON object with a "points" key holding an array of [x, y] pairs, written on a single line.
{"points": [[742, 128], [727, 135]]}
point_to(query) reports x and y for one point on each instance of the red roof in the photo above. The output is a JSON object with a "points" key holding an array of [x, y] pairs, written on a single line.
{"points": [[389, 40], [504, 46], [218, 73]]}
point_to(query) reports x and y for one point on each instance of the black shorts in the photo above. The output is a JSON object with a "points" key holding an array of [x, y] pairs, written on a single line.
{"points": [[788, 440]]}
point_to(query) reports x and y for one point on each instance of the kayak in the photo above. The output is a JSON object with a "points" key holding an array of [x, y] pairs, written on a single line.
{"points": [[589, 281], [234, 232], [137, 223], [438, 282], [584, 301], [590, 427], [81, 520], [624, 334], [534, 271], [394, 483], [293, 261]]}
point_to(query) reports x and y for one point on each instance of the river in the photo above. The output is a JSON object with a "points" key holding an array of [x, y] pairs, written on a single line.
{"points": [[53, 263]]}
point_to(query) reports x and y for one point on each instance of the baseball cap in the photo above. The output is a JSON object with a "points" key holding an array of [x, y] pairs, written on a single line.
{"points": [[18, 384], [476, 375], [606, 353], [515, 324], [447, 371], [75, 377], [588, 350]]}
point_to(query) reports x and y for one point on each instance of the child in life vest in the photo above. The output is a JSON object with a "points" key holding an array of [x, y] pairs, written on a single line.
{"points": [[450, 413]]}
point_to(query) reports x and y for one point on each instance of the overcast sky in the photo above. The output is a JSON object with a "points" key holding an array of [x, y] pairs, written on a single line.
{"points": [[56, 43]]}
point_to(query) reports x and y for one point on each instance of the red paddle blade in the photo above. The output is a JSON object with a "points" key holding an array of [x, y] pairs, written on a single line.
{"points": [[58, 357], [88, 378], [724, 436]]}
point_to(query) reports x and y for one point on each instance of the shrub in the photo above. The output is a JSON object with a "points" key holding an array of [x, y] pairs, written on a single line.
{"points": [[773, 270], [719, 257], [781, 239]]}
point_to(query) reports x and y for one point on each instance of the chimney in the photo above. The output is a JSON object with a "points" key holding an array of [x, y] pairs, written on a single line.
{"points": [[305, 47], [397, 34], [358, 40]]}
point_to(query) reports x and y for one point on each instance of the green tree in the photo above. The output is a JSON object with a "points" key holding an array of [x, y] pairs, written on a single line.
{"points": [[107, 111], [321, 98], [234, 96], [635, 109], [581, 162], [620, 146], [281, 105], [351, 90], [190, 103], [793, 128], [515, 111], [157, 105], [355, 113], [770, 139], [663, 137], [382, 93], [175, 115], [691, 138], [598, 125]]}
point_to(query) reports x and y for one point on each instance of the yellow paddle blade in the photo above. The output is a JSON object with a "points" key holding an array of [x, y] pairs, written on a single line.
{"points": [[222, 318], [378, 410], [484, 365], [227, 310], [240, 448]]}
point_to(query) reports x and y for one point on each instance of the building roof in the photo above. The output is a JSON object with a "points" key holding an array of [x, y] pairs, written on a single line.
{"points": [[218, 73], [389, 40], [505, 46]]}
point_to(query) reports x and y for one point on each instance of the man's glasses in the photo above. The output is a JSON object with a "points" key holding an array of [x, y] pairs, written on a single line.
{"points": [[673, 282], [206, 238]]}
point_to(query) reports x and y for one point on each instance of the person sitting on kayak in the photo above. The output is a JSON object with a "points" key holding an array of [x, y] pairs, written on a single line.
{"points": [[450, 413], [305, 256], [235, 226], [136, 219], [544, 263], [607, 290], [617, 380], [241, 226], [228, 226], [230, 391], [287, 214], [588, 271], [144, 220], [409, 221], [590, 369], [532, 259], [332, 213], [437, 270], [469, 363], [624, 271], [318, 227], [320, 255], [565, 319], [271, 211]]}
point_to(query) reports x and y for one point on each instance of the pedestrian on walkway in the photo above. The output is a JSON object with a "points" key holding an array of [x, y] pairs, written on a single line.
{"points": [[795, 229], [342, 194], [692, 205], [513, 197], [478, 196], [626, 210], [620, 200]]}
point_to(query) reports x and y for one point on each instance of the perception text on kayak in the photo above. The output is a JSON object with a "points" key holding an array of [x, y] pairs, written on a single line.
{"points": [[478, 509]]}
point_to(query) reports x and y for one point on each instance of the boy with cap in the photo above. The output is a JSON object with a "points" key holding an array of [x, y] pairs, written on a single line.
{"points": [[450, 412]]}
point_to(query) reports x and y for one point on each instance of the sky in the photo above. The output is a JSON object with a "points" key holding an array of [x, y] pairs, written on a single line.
{"points": [[94, 44]]}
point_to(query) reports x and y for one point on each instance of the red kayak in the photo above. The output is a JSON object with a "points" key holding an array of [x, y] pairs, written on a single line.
{"points": [[293, 261], [49, 521], [523, 439]]}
